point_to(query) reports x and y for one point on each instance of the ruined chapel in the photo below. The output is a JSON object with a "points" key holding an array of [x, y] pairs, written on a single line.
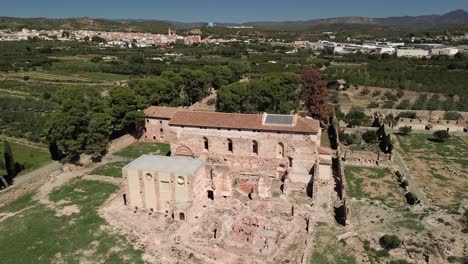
{"points": [[215, 156]]}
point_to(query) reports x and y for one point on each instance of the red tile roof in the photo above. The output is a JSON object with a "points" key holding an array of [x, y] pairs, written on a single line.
{"points": [[161, 111], [240, 121]]}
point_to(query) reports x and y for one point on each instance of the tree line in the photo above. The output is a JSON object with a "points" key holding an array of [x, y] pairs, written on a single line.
{"points": [[84, 120]]}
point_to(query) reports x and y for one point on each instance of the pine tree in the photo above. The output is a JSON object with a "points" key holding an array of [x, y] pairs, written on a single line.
{"points": [[10, 164], [381, 132]]}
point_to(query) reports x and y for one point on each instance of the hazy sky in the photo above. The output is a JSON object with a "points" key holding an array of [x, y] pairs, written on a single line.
{"points": [[226, 11]]}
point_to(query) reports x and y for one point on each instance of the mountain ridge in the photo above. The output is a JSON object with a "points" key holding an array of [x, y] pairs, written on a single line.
{"points": [[456, 17]]}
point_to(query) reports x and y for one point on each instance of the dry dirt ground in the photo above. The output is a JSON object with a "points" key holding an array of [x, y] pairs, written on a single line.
{"points": [[440, 168], [431, 232], [279, 236]]}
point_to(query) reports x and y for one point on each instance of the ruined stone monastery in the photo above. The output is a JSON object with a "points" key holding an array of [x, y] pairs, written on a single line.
{"points": [[216, 156]]}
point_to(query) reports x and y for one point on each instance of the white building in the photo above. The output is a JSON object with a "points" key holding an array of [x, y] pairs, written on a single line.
{"points": [[450, 51], [418, 53]]}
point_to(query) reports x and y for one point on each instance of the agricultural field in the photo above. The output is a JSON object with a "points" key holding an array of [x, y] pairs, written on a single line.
{"points": [[30, 156], [66, 230], [440, 168], [44, 76], [388, 98]]}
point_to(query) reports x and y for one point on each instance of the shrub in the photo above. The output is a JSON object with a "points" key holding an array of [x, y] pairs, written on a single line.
{"points": [[452, 116], [441, 135], [26, 78], [357, 117], [405, 130], [348, 139], [404, 183], [411, 115], [365, 91], [369, 136], [399, 261], [400, 93], [390, 241], [411, 198], [211, 101], [373, 105]]}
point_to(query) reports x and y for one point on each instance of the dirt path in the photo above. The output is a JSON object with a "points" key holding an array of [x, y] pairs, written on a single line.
{"points": [[24, 142], [47, 169], [401, 165]]}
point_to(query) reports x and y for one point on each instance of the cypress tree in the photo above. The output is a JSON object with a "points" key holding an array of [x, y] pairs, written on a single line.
{"points": [[10, 165]]}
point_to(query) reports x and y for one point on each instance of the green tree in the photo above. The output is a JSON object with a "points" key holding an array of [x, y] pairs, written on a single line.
{"points": [[219, 75], [154, 91], [386, 144], [452, 115], [405, 130], [390, 241], [10, 164], [441, 135], [239, 69], [196, 84], [123, 108], [369, 136], [357, 117], [79, 124]]}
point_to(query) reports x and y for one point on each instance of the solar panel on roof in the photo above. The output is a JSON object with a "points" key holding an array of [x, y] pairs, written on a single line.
{"points": [[279, 120]]}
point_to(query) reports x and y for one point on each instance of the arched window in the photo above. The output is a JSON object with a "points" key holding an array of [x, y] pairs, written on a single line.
{"points": [[280, 150], [255, 147], [205, 143], [149, 176], [230, 147], [180, 180], [182, 216]]}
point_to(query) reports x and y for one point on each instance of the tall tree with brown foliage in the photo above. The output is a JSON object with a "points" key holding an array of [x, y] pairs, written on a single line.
{"points": [[315, 94]]}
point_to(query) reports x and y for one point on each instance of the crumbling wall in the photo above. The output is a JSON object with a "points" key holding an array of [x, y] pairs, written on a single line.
{"points": [[432, 124], [366, 158]]}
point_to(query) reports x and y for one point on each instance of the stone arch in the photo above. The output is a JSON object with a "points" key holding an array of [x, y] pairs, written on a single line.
{"points": [[206, 144], [230, 145], [184, 151], [255, 147]]}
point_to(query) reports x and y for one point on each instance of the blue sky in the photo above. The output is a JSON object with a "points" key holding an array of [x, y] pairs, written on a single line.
{"points": [[226, 10]]}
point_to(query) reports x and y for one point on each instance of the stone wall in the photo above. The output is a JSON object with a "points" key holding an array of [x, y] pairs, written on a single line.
{"points": [[236, 157], [121, 142], [426, 114], [434, 125], [366, 158], [157, 130]]}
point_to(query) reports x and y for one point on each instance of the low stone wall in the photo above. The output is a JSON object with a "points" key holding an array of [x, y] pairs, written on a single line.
{"points": [[358, 130], [434, 125], [121, 142], [425, 114], [366, 158]]}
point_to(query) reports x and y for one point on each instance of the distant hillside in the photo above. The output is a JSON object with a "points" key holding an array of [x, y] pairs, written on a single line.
{"points": [[85, 23], [458, 17], [350, 24]]}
